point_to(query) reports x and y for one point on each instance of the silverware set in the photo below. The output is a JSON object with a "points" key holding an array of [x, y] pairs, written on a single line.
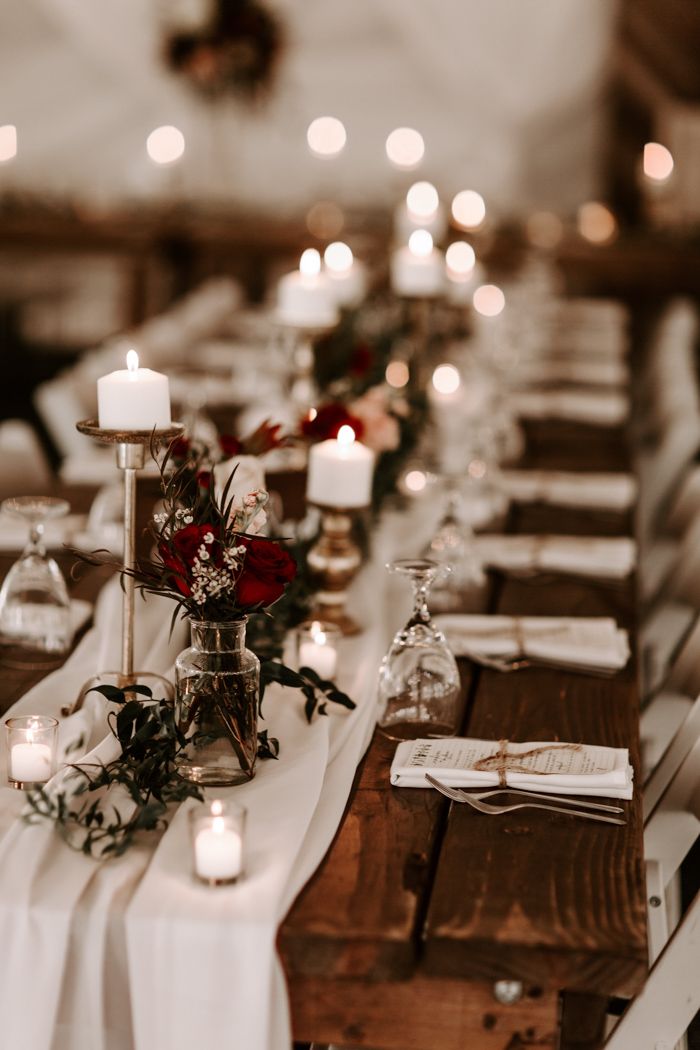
{"points": [[573, 807]]}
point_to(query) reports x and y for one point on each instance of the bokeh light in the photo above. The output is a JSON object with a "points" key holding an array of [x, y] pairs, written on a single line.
{"points": [[397, 374], [338, 257], [468, 209], [8, 142], [422, 200], [405, 148], [461, 259], [165, 144], [420, 243], [446, 379], [310, 262], [489, 300], [596, 223], [326, 136], [657, 162]]}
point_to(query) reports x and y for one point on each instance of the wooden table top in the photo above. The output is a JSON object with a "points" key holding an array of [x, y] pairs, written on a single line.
{"points": [[419, 901], [420, 906]]}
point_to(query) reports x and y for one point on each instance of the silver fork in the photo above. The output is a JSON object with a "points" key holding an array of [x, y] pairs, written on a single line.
{"points": [[496, 810], [524, 793]]}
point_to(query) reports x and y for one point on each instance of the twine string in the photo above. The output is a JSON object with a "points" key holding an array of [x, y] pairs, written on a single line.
{"points": [[504, 762]]}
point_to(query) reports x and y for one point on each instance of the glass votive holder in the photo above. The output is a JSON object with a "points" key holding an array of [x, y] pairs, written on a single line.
{"points": [[217, 830], [317, 647], [31, 750]]}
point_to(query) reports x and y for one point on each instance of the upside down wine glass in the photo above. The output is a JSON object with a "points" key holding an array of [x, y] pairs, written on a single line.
{"points": [[419, 690], [34, 603]]}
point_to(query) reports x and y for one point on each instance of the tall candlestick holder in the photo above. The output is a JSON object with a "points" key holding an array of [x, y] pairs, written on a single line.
{"points": [[334, 561], [299, 342], [131, 448]]}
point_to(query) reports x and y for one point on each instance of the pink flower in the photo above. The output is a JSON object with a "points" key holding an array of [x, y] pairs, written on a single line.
{"points": [[381, 429]]}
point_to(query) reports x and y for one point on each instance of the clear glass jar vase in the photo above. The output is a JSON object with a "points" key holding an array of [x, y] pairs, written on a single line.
{"points": [[216, 704]]}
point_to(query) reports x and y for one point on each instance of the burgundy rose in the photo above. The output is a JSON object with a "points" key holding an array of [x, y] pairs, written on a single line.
{"points": [[267, 569], [204, 479], [230, 445], [328, 421], [180, 448], [179, 552], [361, 359]]}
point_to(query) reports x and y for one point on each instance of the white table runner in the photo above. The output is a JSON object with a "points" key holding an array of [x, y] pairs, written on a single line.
{"points": [[133, 954]]}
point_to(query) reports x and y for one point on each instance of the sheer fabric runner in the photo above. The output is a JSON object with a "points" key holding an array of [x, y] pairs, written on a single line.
{"points": [[132, 954]]}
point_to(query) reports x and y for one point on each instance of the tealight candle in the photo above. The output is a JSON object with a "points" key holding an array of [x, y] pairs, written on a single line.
{"points": [[217, 842], [133, 398], [340, 472], [31, 749], [419, 269], [347, 276], [316, 646], [305, 297]]}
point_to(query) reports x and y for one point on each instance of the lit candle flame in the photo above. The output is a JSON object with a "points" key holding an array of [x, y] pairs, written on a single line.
{"points": [[338, 257], [420, 243], [422, 200], [657, 162], [217, 807], [346, 436], [446, 379], [132, 361], [310, 263]]}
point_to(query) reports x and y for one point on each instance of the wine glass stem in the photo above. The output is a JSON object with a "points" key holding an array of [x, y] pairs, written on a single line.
{"points": [[36, 533], [420, 600]]}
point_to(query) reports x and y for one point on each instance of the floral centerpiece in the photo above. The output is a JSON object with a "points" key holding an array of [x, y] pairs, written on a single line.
{"points": [[211, 559]]}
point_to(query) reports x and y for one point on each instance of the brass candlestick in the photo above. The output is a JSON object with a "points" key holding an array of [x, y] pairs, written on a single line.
{"points": [[334, 560], [131, 448]]}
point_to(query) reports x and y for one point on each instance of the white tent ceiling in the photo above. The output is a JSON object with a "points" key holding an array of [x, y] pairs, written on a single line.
{"points": [[508, 95]]}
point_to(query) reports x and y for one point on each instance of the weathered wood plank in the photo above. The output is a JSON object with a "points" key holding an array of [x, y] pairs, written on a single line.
{"points": [[572, 910], [361, 912], [421, 1014]]}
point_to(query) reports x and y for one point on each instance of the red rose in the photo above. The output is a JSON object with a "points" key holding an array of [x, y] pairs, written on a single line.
{"points": [[179, 552], [180, 448], [230, 445], [267, 569], [361, 360], [204, 479], [328, 421]]}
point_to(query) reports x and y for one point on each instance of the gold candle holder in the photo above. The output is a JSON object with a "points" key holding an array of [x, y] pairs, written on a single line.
{"points": [[334, 561], [131, 448]]}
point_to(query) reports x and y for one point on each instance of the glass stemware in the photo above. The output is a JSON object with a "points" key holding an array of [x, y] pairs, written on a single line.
{"points": [[462, 589], [34, 603], [419, 688]]}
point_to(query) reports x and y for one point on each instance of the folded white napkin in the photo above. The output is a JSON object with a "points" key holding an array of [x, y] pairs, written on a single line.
{"points": [[607, 558], [14, 533], [602, 372], [554, 767], [602, 408], [594, 641], [599, 491]]}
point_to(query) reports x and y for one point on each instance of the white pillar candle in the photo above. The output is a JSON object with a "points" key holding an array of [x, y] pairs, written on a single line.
{"points": [[304, 297], [218, 852], [419, 269], [30, 763], [318, 652], [347, 276], [340, 472], [133, 398]]}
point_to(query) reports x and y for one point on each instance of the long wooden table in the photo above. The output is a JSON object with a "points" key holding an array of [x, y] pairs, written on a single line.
{"points": [[421, 906]]}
